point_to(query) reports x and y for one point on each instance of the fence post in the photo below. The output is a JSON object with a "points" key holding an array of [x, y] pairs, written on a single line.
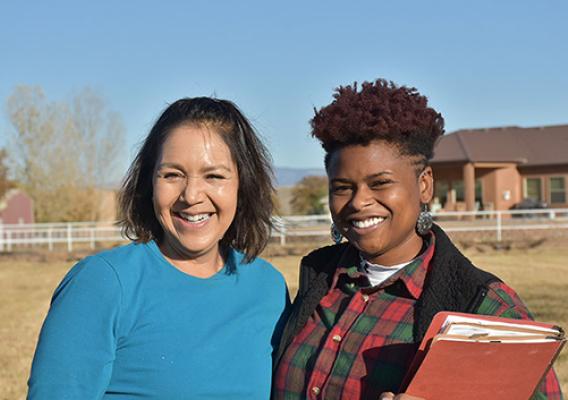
{"points": [[283, 235], [50, 239], [69, 238], [499, 226], [9, 240]]}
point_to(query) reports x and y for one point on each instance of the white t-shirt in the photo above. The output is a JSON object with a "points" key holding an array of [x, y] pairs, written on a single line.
{"points": [[377, 274]]}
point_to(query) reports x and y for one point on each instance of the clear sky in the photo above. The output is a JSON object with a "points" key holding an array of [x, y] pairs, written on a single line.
{"points": [[481, 63]]}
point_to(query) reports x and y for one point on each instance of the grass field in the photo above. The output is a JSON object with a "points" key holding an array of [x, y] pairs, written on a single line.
{"points": [[539, 275]]}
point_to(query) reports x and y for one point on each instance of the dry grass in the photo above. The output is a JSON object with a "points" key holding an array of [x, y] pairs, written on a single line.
{"points": [[539, 275], [25, 291]]}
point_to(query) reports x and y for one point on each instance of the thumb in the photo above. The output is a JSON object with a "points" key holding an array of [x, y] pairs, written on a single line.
{"points": [[386, 396]]}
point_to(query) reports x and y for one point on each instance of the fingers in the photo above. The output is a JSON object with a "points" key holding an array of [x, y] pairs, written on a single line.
{"points": [[386, 396]]}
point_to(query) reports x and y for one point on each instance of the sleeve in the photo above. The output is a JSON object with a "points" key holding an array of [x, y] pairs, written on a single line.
{"points": [[502, 301], [76, 346]]}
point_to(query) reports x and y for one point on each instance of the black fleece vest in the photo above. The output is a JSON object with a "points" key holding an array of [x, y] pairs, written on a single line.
{"points": [[452, 284]]}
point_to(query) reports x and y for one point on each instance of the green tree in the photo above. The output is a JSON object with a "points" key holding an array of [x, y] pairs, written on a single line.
{"points": [[63, 152], [309, 196]]}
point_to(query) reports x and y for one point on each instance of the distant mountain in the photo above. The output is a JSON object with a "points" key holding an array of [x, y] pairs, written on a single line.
{"points": [[286, 176]]}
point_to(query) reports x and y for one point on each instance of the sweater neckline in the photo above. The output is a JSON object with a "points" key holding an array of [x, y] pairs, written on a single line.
{"points": [[222, 274]]}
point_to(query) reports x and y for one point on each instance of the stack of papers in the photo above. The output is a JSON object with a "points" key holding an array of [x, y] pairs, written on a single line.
{"points": [[468, 357]]}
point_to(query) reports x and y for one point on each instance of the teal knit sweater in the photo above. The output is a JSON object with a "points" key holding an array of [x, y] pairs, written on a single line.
{"points": [[126, 324]]}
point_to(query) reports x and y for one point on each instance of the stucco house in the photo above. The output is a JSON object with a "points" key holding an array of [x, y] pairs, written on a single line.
{"points": [[496, 168]]}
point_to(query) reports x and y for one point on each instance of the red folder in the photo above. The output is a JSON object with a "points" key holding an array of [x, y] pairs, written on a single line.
{"points": [[451, 366]]}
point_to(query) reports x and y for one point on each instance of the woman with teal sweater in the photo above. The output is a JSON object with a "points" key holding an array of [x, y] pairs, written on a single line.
{"points": [[186, 311]]}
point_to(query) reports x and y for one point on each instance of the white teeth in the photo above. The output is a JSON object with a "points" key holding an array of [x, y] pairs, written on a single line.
{"points": [[367, 223], [195, 218]]}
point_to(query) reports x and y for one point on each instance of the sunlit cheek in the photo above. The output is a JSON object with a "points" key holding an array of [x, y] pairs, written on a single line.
{"points": [[224, 187], [336, 205], [402, 196], [408, 205], [230, 196], [165, 195]]}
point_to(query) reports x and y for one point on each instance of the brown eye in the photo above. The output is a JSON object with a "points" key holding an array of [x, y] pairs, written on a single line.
{"points": [[215, 177], [171, 176], [380, 183], [339, 189]]}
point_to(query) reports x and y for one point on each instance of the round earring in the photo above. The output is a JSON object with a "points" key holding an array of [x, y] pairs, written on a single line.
{"points": [[336, 236], [424, 221]]}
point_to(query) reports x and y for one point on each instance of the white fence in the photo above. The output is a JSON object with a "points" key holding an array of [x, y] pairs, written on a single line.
{"points": [[50, 234], [89, 233], [497, 222]]}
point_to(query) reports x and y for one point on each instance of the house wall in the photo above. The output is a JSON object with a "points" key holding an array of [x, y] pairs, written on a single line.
{"points": [[18, 209], [488, 186], [504, 186], [507, 188], [501, 186], [446, 174], [545, 173]]}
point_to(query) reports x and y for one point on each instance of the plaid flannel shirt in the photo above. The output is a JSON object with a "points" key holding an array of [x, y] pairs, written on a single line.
{"points": [[359, 342]]}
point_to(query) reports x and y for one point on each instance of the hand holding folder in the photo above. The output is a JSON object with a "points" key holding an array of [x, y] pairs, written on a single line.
{"points": [[467, 357]]}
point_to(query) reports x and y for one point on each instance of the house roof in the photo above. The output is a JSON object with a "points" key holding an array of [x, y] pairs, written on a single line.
{"points": [[536, 146]]}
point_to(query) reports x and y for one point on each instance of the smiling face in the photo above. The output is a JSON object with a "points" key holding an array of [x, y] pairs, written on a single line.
{"points": [[375, 197], [195, 187]]}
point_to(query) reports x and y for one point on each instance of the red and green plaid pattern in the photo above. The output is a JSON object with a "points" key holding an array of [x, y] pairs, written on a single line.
{"points": [[359, 342]]}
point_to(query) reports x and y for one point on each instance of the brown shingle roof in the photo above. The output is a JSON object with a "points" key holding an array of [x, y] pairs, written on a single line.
{"points": [[547, 145]]}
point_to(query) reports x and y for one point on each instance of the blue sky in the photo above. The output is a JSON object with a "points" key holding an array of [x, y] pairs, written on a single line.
{"points": [[481, 63]]}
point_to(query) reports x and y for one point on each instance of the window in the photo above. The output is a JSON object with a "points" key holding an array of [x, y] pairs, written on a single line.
{"points": [[460, 190], [557, 190], [441, 191], [533, 189], [478, 191]]}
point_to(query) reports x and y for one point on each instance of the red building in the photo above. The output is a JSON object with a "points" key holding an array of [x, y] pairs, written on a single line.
{"points": [[16, 207]]}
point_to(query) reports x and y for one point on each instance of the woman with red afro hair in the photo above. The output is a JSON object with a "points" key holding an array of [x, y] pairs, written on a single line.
{"points": [[364, 304]]}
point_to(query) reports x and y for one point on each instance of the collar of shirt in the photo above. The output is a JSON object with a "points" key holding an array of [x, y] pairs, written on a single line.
{"points": [[412, 276]]}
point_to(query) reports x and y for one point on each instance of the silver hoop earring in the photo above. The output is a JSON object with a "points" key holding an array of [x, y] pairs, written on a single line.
{"points": [[336, 236], [424, 221]]}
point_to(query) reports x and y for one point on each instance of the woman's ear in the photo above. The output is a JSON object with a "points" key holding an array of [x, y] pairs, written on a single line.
{"points": [[426, 185]]}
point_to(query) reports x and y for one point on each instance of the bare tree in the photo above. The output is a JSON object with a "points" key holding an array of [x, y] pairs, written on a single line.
{"points": [[5, 182], [63, 153]]}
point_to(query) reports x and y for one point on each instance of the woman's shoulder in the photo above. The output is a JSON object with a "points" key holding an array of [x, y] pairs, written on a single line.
{"points": [[502, 300], [94, 273], [124, 253], [126, 259], [111, 262], [258, 267], [326, 257], [325, 251]]}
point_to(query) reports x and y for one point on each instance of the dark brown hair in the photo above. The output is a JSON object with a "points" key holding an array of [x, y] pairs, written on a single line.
{"points": [[380, 110], [250, 230]]}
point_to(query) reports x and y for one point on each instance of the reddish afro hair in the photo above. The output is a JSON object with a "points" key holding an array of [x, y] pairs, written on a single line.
{"points": [[379, 111]]}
